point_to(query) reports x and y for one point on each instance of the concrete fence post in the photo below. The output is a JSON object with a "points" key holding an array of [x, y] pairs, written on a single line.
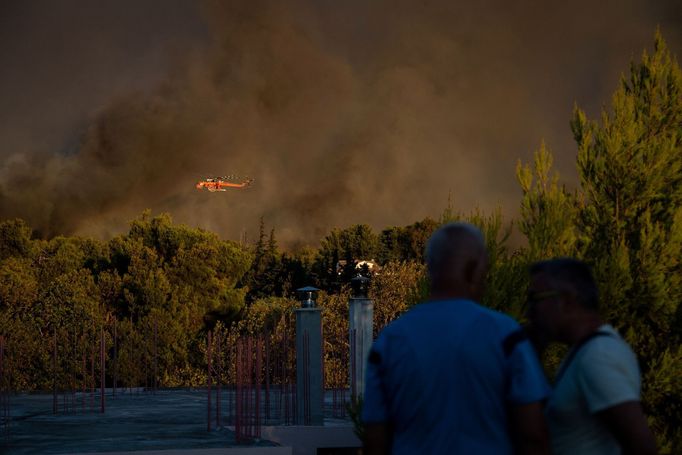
{"points": [[309, 361], [360, 321]]}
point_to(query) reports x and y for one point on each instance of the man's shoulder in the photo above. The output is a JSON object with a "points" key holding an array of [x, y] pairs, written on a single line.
{"points": [[396, 327], [608, 345], [501, 321], [607, 371], [468, 315], [605, 355]]}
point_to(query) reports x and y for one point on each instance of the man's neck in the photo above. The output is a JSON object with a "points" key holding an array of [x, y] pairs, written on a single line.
{"points": [[450, 294], [582, 328]]}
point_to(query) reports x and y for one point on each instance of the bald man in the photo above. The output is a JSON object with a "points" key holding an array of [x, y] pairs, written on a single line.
{"points": [[450, 376]]}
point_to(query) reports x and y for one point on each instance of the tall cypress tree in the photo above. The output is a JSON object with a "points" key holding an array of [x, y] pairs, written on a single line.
{"points": [[260, 251], [272, 249]]}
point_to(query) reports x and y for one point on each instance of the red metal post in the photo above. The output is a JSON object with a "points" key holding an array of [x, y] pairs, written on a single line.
{"points": [[115, 359], [74, 372], [259, 382], [284, 349], [102, 368], [229, 362], [3, 402], [267, 377], [218, 379], [54, 372], [238, 390], [84, 382], [156, 357], [249, 386], [208, 379], [92, 379], [144, 360]]}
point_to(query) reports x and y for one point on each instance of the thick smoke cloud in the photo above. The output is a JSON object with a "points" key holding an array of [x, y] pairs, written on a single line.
{"points": [[343, 112]]}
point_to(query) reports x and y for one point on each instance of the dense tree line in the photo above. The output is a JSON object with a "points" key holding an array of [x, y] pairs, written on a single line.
{"points": [[158, 277], [625, 219]]}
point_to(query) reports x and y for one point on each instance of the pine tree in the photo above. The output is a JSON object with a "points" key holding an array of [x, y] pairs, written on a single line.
{"points": [[548, 210], [630, 168], [626, 221]]}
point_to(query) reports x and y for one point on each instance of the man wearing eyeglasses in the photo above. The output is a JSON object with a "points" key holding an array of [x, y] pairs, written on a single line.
{"points": [[595, 404]]}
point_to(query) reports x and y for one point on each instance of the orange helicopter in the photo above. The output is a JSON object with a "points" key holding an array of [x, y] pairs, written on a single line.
{"points": [[222, 183]]}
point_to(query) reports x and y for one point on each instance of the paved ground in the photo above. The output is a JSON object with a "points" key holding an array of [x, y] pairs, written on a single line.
{"points": [[138, 421]]}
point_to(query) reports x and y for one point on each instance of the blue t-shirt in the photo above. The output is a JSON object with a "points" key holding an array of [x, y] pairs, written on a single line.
{"points": [[441, 376]]}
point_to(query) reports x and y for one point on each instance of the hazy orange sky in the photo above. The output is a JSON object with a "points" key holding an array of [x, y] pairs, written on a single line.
{"points": [[343, 112]]}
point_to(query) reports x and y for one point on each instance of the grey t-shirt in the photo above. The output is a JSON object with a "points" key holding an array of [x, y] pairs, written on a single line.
{"points": [[603, 374]]}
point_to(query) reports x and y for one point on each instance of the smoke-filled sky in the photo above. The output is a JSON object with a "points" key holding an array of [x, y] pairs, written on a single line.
{"points": [[343, 111]]}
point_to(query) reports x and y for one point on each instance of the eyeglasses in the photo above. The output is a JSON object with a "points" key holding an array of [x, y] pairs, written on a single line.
{"points": [[537, 297]]}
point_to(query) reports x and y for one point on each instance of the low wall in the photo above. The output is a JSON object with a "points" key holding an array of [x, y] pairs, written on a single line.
{"points": [[293, 440], [221, 451], [305, 440]]}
